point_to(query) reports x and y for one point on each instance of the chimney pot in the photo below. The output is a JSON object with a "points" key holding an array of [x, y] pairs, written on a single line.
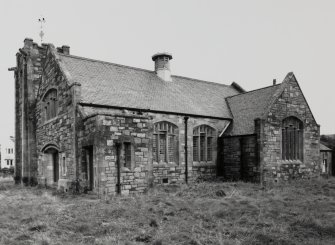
{"points": [[66, 49], [274, 81], [162, 65]]}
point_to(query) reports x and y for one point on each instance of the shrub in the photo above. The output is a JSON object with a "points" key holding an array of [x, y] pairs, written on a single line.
{"points": [[17, 179], [25, 181], [78, 186], [33, 181]]}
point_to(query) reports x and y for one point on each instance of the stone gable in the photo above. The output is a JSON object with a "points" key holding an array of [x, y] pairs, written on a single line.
{"points": [[290, 102]]}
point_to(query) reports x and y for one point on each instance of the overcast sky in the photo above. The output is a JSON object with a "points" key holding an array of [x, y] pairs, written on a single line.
{"points": [[249, 42]]}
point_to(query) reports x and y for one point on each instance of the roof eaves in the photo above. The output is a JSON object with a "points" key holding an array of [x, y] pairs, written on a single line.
{"points": [[154, 111]]}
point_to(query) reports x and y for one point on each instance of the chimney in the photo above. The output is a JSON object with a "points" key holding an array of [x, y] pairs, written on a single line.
{"points": [[274, 81], [28, 42], [66, 49], [162, 65]]}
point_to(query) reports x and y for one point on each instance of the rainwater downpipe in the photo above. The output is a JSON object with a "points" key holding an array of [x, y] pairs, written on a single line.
{"points": [[118, 184], [186, 152]]}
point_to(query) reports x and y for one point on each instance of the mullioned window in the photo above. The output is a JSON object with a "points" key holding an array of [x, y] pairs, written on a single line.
{"points": [[203, 136], [292, 139], [50, 104], [165, 142]]}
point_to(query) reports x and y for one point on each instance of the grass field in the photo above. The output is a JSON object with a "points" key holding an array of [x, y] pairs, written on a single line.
{"points": [[301, 212]]}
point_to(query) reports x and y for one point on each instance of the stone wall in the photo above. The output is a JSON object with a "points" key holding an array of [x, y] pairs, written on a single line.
{"points": [[103, 133], [18, 117], [27, 79], [240, 158], [291, 102], [56, 132], [104, 128]]}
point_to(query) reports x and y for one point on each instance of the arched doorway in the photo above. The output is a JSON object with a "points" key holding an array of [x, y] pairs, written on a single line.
{"points": [[51, 164]]}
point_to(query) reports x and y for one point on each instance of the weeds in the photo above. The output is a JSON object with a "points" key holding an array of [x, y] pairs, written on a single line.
{"points": [[212, 212]]}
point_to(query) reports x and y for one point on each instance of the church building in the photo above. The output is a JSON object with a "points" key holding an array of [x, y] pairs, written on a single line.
{"points": [[121, 129]]}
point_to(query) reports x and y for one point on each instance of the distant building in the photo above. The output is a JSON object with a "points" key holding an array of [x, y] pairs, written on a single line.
{"points": [[8, 154], [124, 129], [327, 166]]}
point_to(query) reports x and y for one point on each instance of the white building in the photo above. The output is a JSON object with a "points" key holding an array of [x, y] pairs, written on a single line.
{"points": [[7, 153]]}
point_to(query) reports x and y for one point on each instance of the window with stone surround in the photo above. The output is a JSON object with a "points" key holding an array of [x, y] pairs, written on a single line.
{"points": [[203, 143], [292, 139], [64, 168], [50, 104], [165, 142], [127, 154]]}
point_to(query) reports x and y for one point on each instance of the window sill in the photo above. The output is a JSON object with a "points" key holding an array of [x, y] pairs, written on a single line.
{"points": [[164, 164], [125, 170], [202, 163], [291, 161]]}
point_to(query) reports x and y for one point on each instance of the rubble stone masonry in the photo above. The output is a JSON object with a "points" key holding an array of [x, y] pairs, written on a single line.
{"points": [[104, 131], [291, 102]]}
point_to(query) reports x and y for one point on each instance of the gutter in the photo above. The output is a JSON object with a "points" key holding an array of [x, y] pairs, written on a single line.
{"points": [[153, 111]]}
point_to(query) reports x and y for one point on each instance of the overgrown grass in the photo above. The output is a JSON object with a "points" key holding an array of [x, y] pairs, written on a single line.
{"points": [[300, 212]]}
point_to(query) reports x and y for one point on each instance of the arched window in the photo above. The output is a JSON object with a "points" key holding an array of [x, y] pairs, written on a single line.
{"points": [[165, 142], [203, 143], [292, 139], [50, 104]]}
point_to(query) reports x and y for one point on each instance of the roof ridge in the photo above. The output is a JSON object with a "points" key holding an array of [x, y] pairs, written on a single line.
{"points": [[255, 90], [199, 80], [106, 62], [137, 68]]}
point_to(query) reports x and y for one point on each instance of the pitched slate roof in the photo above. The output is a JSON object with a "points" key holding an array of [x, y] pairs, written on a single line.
{"points": [[248, 106], [111, 84], [324, 148]]}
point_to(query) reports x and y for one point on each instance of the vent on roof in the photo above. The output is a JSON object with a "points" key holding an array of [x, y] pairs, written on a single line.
{"points": [[162, 65]]}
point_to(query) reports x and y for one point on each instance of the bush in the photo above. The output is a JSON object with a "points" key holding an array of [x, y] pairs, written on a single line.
{"points": [[78, 186], [27, 181], [11, 170], [33, 181], [17, 179]]}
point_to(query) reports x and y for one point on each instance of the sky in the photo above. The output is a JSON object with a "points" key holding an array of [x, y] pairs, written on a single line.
{"points": [[249, 42]]}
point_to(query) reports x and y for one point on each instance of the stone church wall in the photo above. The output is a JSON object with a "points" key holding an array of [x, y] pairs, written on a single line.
{"points": [[104, 130], [27, 79], [56, 131], [240, 158], [290, 103]]}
